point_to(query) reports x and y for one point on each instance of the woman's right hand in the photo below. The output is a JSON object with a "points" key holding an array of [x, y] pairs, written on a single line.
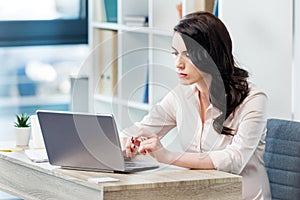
{"points": [[129, 149]]}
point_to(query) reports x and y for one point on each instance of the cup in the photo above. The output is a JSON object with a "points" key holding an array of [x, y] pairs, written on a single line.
{"points": [[36, 133]]}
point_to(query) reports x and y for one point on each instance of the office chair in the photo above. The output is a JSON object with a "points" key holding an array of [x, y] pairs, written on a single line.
{"points": [[282, 158]]}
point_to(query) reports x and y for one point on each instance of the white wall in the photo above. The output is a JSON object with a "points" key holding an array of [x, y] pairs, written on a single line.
{"points": [[296, 71], [261, 31]]}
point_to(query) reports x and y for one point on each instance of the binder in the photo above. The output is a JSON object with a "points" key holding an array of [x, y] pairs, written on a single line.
{"points": [[111, 10], [216, 8]]}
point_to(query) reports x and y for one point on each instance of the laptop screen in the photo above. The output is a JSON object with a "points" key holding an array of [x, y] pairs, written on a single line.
{"points": [[80, 140]]}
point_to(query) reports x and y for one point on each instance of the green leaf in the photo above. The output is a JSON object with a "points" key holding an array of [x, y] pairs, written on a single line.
{"points": [[22, 120]]}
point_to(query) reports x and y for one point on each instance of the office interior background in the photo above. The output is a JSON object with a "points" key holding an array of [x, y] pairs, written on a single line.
{"points": [[36, 63], [38, 54], [44, 43]]}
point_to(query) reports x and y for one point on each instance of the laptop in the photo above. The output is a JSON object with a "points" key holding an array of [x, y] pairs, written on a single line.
{"points": [[85, 141]]}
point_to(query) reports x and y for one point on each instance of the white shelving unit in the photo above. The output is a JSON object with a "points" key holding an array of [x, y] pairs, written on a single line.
{"points": [[127, 59]]}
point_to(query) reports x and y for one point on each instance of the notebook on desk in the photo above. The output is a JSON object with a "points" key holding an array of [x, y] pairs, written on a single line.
{"points": [[85, 142]]}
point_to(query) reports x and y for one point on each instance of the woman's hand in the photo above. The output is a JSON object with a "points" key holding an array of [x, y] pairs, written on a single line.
{"points": [[143, 145], [152, 145], [129, 149]]}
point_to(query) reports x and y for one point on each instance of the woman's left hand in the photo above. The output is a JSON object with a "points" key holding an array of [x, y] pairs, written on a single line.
{"points": [[152, 145]]}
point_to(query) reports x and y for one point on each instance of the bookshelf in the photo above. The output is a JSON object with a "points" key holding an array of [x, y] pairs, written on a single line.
{"points": [[132, 66]]}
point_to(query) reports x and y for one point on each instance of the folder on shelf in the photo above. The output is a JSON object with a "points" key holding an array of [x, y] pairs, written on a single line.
{"points": [[216, 8], [99, 11], [136, 20], [146, 92], [106, 62], [108, 81], [111, 10], [205, 5]]}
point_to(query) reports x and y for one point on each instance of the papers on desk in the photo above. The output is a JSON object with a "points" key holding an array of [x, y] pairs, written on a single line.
{"points": [[37, 155], [103, 180]]}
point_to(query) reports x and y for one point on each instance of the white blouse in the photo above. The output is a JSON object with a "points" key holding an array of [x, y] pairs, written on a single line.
{"points": [[239, 154]]}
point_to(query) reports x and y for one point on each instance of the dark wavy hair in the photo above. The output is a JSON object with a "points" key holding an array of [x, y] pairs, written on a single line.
{"points": [[209, 46]]}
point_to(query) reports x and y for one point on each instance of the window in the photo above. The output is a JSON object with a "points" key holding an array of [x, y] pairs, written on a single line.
{"points": [[47, 22], [35, 73], [36, 77]]}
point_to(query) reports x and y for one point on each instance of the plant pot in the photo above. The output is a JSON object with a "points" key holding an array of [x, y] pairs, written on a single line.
{"points": [[22, 136]]}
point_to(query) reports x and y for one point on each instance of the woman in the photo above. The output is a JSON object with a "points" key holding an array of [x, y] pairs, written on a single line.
{"points": [[220, 117]]}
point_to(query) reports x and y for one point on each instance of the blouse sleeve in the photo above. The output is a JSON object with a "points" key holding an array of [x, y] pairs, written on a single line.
{"points": [[160, 120], [252, 118]]}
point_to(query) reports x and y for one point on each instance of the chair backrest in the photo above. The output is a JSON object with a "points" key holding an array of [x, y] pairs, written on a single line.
{"points": [[282, 158]]}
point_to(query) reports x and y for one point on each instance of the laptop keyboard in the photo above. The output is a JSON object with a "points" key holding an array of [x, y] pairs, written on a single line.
{"points": [[132, 164], [136, 165]]}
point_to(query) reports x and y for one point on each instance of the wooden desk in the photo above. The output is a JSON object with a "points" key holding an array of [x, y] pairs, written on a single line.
{"points": [[28, 180]]}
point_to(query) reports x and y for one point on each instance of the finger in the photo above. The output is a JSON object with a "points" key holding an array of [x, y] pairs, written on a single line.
{"points": [[142, 151], [128, 148], [154, 142], [128, 144], [134, 149], [145, 135], [145, 148], [128, 153]]}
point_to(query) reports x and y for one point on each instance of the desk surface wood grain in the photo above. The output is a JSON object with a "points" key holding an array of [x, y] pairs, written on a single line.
{"points": [[29, 180]]}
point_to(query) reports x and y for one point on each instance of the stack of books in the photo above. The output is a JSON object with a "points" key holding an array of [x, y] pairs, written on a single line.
{"points": [[136, 20]]}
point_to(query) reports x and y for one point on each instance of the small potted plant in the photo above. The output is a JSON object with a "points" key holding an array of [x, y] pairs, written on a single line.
{"points": [[22, 129]]}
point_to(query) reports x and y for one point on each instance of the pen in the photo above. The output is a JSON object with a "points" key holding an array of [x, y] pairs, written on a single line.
{"points": [[5, 150], [137, 141], [11, 149]]}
